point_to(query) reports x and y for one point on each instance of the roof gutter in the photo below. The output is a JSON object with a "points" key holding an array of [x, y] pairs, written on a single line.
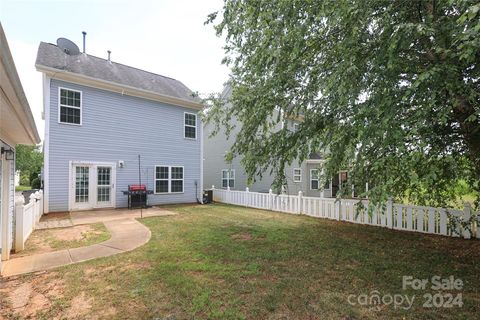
{"points": [[23, 111], [116, 87]]}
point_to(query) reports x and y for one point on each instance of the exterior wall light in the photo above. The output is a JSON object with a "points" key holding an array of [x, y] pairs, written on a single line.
{"points": [[9, 153]]}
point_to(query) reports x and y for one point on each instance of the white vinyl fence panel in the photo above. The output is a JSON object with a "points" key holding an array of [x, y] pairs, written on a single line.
{"points": [[26, 218], [441, 221]]}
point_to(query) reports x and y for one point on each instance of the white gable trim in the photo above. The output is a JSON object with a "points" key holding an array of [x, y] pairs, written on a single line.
{"points": [[115, 87]]}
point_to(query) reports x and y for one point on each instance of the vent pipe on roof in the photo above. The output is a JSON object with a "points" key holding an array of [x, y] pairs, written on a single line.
{"points": [[84, 35], [109, 52]]}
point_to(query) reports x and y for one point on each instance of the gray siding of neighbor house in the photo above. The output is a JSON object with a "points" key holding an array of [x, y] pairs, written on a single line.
{"points": [[214, 154], [120, 127]]}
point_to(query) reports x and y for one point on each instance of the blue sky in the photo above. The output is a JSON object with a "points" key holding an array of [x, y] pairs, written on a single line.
{"points": [[165, 37]]}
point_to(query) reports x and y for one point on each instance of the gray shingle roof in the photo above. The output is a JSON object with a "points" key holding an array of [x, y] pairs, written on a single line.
{"points": [[51, 56]]}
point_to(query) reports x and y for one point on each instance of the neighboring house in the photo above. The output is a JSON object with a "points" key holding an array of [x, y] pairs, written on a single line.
{"points": [[16, 127], [300, 176], [99, 117]]}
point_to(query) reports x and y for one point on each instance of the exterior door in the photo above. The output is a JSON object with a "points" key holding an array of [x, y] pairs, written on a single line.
{"points": [[104, 186], [82, 197], [93, 186]]}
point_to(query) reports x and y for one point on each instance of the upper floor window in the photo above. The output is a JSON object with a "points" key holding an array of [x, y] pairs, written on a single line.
{"points": [[228, 178], [190, 124], [297, 175], [70, 106], [314, 179]]}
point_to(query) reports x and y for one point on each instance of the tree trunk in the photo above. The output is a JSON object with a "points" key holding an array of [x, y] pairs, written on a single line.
{"points": [[471, 132]]}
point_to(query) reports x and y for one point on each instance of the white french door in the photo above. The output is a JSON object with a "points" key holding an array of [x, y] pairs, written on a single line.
{"points": [[104, 186], [93, 186]]}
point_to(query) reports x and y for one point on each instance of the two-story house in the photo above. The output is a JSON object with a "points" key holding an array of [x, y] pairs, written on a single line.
{"points": [[101, 118], [301, 176]]}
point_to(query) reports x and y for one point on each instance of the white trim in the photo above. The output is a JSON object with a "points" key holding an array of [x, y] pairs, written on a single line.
{"points": [[318, 180], [190, 126], [296, 175], [12, 87], [71, 186], [116, 87], [229, 177], [163, 179], [46, 143], [1, 215], [92, 165], [169, 179], [113, 182], [200, 129], [315, 161], [73, 107], [5, 214]]}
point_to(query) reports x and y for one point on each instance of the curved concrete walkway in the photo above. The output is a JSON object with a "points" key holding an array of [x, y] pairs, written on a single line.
{"points": [[126, 234]]}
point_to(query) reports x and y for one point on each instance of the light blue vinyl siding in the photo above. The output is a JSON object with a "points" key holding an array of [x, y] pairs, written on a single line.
{"points": [[120, 127]]}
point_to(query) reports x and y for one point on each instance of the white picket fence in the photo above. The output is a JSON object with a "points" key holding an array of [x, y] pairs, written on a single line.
{"points": [[431, 220], [26, 217]]}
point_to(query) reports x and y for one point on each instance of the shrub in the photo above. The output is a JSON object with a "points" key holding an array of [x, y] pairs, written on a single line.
{"points": [[24, 179], [36, 183]]}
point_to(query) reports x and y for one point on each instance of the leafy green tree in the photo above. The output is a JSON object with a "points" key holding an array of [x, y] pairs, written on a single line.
{"points": [[29, 160], [389, 89]]}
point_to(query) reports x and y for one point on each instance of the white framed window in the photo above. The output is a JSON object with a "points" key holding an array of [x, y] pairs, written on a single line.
{"points": [[190, 126], [314, 179], [228, 178], [297, 175], [168, 179], [69, 106], [176, 179], [295, 127]]}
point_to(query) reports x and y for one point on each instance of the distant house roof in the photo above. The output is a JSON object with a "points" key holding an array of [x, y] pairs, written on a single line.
{"points": [[50, 57]]}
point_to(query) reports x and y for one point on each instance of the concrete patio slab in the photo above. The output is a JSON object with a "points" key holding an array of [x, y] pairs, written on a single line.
{"points": [[54, 220], [103, 215], [126, 234]]}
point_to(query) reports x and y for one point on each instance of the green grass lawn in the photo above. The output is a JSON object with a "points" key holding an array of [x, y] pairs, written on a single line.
{"points": [[22, 188], [227, 262]]}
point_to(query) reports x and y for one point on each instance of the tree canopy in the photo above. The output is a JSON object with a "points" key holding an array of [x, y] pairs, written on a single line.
{"points": [[388, 89], [29, 160]]}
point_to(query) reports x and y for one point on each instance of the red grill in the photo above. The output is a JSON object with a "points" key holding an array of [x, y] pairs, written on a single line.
{"points": [[137, 195], [137, 187]]}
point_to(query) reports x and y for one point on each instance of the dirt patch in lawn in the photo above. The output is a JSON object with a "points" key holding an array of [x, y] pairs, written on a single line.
{"points": [[79, 307], [42, 241], [26, 299], [76, 233]]}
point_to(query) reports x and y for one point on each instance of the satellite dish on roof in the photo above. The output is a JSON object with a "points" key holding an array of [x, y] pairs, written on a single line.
{"points": [[68, 46]]}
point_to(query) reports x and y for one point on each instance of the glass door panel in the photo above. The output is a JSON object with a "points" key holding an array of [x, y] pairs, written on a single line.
{"points": [[104, 185], [82, 184]]}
